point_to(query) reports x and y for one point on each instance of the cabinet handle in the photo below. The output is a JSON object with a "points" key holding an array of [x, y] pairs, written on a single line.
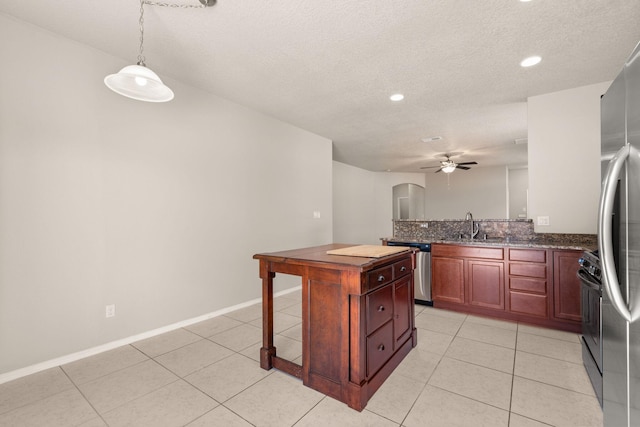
{"points": [[381, 347], [381, 308], [381, 278], [403, 268]]}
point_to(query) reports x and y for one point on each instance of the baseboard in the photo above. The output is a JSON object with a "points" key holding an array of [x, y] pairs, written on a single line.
{"points": [[23, 372]]}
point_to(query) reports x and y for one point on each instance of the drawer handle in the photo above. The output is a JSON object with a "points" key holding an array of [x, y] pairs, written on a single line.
{"points": [[381, 278], [381, 347], [381, 308], [403, 268]]}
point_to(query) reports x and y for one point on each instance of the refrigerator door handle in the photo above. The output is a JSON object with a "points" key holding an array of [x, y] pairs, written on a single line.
{"points": [[605, 242]]}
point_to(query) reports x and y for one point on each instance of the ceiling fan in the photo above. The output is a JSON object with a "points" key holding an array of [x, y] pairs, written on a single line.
{"points": [[448, 166]]}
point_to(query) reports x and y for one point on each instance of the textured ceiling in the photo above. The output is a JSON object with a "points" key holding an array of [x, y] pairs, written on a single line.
{"points": [[330, 67]]}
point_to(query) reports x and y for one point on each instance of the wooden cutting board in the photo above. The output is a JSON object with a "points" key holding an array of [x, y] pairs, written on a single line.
{"points": [[368, 251]]}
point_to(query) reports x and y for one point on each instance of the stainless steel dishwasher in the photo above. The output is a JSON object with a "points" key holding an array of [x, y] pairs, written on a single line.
{"points": [[422, 273]]}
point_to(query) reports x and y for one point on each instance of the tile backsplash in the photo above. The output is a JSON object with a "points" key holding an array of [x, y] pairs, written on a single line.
{"points": [[521, 229], [512, 230]]}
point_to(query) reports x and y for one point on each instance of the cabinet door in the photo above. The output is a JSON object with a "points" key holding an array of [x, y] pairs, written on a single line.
{"points": [[447, 279], [402, 301], [486, 284], [566, 285]]}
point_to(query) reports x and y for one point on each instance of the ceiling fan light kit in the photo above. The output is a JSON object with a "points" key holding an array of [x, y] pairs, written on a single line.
{"points": [[448, 166], [137, 81]]}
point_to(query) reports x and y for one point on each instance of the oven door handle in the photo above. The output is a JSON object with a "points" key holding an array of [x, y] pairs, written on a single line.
{"points": [[588, 281], [605, 242]]}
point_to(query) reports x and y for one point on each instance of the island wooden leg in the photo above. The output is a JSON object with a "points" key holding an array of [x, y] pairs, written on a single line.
{"points": [[268, 350]]}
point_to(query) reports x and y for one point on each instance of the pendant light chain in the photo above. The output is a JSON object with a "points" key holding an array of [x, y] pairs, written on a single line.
{"points": [[141, 20], [183, 6]]}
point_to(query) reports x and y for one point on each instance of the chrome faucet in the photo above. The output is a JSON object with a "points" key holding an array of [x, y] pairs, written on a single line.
{"points": [[474, 227]]}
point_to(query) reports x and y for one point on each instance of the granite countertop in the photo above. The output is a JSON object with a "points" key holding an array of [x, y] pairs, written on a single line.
{"points": [[551, 241]]}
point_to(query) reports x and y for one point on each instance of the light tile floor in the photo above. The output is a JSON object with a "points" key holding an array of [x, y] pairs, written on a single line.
{"points": [[465, 371]]}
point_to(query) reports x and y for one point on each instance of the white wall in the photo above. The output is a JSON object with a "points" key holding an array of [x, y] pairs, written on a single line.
{"points": [[564, 158], [157, 208], [362, 203], [353, 205], [518, 190], [481, 190]]}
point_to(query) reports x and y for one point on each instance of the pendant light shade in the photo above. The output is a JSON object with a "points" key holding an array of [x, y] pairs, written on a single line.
{"points": [[139, 82]]}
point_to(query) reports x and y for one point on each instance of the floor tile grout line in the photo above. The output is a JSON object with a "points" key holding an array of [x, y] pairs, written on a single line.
{"points": [[552, 338], [78, 384], [133, 344], [423, 389], [235, 413], [86, 399], [324, 396], [470, 398], [555, 386], [550, 357], [513, 374]]}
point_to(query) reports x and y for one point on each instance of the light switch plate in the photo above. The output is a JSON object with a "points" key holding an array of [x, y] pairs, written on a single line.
{"points": [[543, 220]]}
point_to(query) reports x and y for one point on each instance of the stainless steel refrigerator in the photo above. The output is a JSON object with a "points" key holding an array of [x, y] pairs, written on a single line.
{"points": [[619, 247]]}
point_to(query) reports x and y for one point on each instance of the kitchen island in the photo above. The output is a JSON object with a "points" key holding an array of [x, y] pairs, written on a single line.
{"points": [[357, 318]]}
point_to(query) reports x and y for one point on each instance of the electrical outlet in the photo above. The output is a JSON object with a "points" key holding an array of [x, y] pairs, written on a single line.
{"points": [[316, 214], [424, 225], [110, 310], [543, 220]]}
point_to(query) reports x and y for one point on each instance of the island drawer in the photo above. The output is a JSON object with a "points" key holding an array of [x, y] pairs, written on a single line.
{"points": [[379, 348], [380, 277], [379, 308], [401, 268]]}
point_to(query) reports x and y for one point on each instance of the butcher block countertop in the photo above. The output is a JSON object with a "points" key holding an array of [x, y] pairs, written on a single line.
{"points": [[342, 254]]}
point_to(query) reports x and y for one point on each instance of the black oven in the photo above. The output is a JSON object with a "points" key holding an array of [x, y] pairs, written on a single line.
{"points": [[591, 294]]}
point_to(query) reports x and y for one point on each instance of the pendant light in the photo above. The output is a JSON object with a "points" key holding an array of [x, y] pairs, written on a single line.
{"points": [[138, 81]]}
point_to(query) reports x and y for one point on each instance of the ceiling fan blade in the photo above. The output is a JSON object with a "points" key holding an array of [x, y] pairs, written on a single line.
{"points": [[468, 163], [466, 168], [430, 167], [439, 170]]}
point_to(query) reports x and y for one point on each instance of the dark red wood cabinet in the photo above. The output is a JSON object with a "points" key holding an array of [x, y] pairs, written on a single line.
{"points": [[532, 285], [566, 286], [357, 319]]}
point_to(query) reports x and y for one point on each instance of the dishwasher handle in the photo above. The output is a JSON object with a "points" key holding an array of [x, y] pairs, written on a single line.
{"points": [[423, 267]]}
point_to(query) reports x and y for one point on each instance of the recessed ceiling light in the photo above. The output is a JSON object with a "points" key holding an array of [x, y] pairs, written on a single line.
{"points": [[396, 97], [525, 1], [530, 61], [431, 139]]}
